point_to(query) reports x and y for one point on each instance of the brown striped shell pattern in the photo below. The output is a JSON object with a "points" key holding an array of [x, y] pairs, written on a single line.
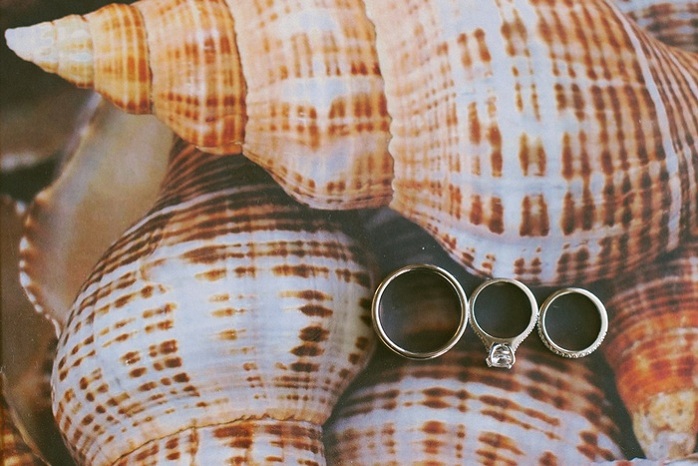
{"points": [[652, 347], [219, 329], [454, 409], [547, 140]]}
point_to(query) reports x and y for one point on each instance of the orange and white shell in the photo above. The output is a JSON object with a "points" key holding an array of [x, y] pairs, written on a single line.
{"points": [[652, 347], [549, 141], [310, 107], [455, 410], [221, 327]]}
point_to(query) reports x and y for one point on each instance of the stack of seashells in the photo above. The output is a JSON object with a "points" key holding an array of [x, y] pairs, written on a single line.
{"points": [[211, 291]]}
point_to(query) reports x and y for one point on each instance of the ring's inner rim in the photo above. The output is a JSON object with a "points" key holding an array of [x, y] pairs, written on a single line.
{"points": [[420, 311], [572, 321], [502, 310]]}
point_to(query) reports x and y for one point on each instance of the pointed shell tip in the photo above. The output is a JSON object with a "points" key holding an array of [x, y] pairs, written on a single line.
{"points": [[35, 44]]}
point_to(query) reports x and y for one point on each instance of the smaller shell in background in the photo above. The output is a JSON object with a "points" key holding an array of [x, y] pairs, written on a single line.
{"points": [[15, 450], [652, 347], [222, 326], [109, 181], [455, 410], [28, 346], [674, 22]]}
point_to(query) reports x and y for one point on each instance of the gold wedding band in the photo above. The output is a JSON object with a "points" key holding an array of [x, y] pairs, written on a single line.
{"points": [[403, 277]]}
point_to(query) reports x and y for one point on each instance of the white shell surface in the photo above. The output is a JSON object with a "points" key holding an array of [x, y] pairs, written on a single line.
{"points": [[455, 410], [552, 142], [227, 307]]}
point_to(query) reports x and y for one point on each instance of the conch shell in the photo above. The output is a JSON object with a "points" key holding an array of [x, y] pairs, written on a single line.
{"points": [[652, 347], [553, 142], [311, 99], [221, 327], [455, 410]]}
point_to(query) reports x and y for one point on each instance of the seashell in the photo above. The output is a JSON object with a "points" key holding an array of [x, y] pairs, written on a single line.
{"points": [[220, 328], [455, 410], [15, 450], [652, 347], [110, 181], [674, 22], [552, 142], [313, 99], [525, 167], [28, 344]]}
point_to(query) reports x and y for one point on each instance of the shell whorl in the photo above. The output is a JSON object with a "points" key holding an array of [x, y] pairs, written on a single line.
{"points": [[674, 22], [455, 410], [550, 141], [652, 347], [222, 326], [108, 50], [531, 149]]}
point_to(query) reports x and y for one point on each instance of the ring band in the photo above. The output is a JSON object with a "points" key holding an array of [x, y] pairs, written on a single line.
{"points": [[565, 352], [376, 310], [501, 350]]}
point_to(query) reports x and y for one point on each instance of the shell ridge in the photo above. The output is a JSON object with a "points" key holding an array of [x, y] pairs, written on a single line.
{"points": [[671, 156], [146, 33]]}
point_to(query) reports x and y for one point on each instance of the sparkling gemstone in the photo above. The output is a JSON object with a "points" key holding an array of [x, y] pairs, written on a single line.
{"points": [[501, 355]]}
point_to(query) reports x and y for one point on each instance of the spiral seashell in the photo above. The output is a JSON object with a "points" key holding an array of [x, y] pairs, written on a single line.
{"points": [[454, 410], [110, 180], [553, 142], [652, 347], [674, 22], [221, 328], [312, 95]]}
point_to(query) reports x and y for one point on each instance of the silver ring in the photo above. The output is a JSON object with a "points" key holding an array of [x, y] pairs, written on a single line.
{"points": [[545, 335], [401, 274], [501, 350]]}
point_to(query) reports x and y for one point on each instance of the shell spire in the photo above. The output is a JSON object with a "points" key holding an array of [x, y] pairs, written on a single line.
{"points": [[63, 47], [123, 53]]}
